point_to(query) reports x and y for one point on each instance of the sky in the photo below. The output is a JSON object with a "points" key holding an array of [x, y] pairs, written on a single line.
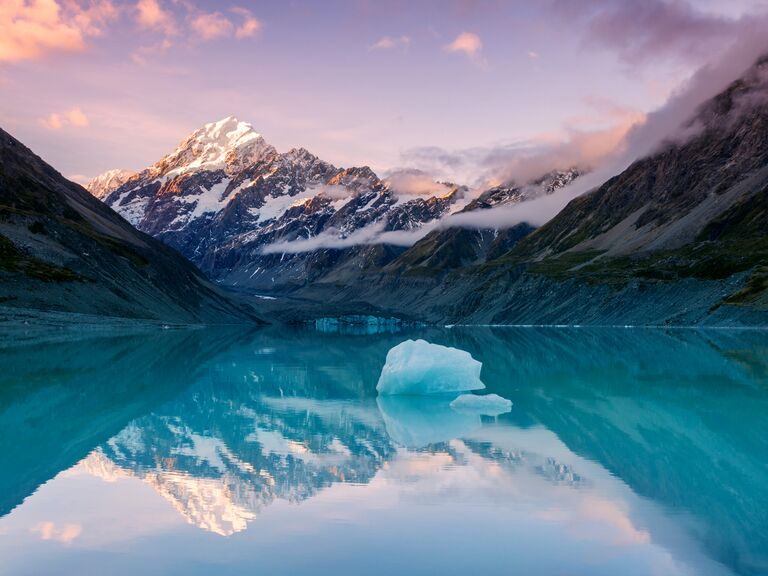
{"points": [[452, 87]]}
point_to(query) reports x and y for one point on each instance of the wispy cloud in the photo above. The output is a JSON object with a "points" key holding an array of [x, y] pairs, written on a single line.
{"points": [[30, 29], [391, 42], [79, 178], [634, 139], [371, 234], [586, 141]]}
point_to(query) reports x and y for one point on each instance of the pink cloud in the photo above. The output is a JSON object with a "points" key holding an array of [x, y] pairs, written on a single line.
{"points": [[74, 117], [210, 26], [467, 43], [213, 25], [77, 118], [151, 15], [30, 29], [250, 25], [53, 121]]}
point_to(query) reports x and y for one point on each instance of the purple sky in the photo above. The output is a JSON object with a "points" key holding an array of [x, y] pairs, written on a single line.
{"points": [[94, 85]]}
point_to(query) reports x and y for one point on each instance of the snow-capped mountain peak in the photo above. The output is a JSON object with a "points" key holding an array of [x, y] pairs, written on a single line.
{"points": [[224, 185], [228, 145], [105, 183]]}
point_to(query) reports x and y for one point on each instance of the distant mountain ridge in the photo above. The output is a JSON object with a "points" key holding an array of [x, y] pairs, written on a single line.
{"points": [[224, 195]]}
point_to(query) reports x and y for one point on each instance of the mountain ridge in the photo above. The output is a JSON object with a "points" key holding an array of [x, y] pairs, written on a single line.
{"points": [[232, 210]]}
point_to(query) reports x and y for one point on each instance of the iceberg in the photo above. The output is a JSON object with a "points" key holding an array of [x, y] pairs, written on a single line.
{"points": [[416, 367], [488, 405]]}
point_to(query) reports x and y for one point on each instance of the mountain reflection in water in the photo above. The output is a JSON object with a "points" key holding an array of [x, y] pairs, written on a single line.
{"points": [[652, 444]]}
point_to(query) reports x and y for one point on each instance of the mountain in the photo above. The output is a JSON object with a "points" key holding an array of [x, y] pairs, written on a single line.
{"points": [[678, 238], [105, 183], [61, 249], [224, 194]]}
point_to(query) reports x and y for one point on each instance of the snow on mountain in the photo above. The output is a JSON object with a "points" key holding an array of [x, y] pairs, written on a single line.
{"points": [[228, 145], [224, 194], [105, 183]]}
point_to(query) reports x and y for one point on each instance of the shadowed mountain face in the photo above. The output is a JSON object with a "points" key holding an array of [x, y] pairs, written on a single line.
{"points": [[61, 249], [226, 426]]}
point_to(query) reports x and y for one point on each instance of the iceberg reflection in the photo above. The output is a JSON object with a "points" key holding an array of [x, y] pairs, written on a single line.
{"points": [[418, 421]]}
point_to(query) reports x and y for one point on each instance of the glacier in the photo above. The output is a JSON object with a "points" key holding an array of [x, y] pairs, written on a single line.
{"points": [[487, 405], [417, 367]]}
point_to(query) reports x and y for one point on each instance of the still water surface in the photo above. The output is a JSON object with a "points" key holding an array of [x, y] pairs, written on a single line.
{"points": [[631, 452]]}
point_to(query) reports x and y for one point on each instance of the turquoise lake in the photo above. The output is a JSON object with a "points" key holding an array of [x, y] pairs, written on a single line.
{"points": [[217, 451]]}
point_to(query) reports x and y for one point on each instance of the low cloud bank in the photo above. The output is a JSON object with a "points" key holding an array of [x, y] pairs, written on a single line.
{"points": [[372, 234], [672, 123]]}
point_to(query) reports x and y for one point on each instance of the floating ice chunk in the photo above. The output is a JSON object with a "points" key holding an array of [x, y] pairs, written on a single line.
{"points": [[417, 421], [416, 367], [488, 405]]}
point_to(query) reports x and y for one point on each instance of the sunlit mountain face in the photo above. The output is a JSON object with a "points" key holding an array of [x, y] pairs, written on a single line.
{"points": [[273, 447]]}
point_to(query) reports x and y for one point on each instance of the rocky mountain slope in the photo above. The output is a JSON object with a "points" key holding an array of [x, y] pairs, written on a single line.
{"points": [[679, 237], [61, 249]]}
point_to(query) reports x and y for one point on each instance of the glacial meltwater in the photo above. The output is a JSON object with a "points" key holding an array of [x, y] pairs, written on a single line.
{"points": [[216, 451]]}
